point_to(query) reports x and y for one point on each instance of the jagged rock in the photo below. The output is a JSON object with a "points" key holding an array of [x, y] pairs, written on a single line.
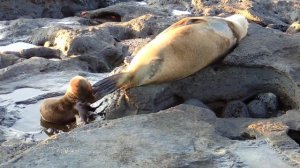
{"points": [[51, 9]]}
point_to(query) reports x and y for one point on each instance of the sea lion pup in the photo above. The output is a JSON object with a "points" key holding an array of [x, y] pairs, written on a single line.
{"points": [[71, 106], [184, 48]]}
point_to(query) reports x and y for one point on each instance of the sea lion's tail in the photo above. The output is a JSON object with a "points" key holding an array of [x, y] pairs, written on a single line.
{"points": [[109, 85]]}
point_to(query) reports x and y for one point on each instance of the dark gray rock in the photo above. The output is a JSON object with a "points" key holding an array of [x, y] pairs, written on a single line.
{"points": [[277, 15], [126, 11], [49, 9], [36, 65], [10, 148], [258, 109], [7, 60], [270, 100], [236, 109], [43, 52], [196, 102], [8, 118]]}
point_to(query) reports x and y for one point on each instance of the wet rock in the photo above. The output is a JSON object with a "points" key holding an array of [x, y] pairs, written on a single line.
{"points": [[8, 118], [258, 109], [236, 109]]}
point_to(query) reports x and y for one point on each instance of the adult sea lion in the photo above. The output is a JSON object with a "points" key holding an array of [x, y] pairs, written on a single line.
{"points": [[184, 48], [73, 105]]}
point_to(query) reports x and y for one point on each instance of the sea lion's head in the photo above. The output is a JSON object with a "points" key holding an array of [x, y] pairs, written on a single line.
{"points": [[80, 89], [241, 24]]}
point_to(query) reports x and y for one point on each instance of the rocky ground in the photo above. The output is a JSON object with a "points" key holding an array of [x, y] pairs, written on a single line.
{"points": [[242, 111]]}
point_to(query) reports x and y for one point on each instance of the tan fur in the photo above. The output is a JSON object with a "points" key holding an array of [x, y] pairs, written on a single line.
{"points": [[181, 50], [62, 110], [184, 48]]}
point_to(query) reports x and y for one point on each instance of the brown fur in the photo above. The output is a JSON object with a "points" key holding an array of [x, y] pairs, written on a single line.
{"points": [[62, 110]]}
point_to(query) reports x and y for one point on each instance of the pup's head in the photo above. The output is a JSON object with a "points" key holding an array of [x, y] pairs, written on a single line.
{"points": [[80, 89], [241, 24]]}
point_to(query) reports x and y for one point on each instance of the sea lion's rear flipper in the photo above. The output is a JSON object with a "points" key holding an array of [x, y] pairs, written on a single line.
{"points": [[107, 85]]}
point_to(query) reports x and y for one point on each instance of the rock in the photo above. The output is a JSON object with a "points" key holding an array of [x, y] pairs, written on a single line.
{"points": [[295, 15], [50, 9], [170, 5], [236, 109], [276, 15], [258, 109], [196, 102], [10, 148], [43, 52], [36, 65], [8, 117], [270, 101], [135, 44], [183, 136], [294, 28], [7, 60], [2, 138], [126, 11]]}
